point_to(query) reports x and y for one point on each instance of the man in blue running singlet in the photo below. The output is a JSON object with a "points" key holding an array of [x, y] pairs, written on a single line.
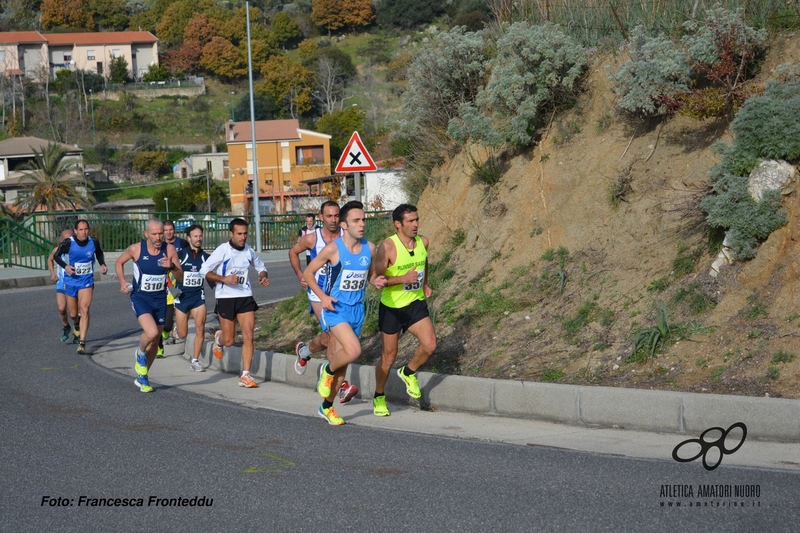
{"points": [[79, 252], [350, 259], [192, 297], [152, 260]]}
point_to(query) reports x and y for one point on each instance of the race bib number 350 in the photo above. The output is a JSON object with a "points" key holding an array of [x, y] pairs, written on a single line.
{"points": [[82, 269], [152, 283], [353, 280]]}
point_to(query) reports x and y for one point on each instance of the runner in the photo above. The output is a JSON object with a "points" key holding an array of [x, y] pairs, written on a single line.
{"points": [[343, 309], [169, 334], [403, 259], [312, 244], [192, 298], [79, 252], [152, 260], [228, 267], [57, 275], [310, 227]]}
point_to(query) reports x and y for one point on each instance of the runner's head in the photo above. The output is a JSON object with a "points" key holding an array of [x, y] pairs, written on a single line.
{"points": [[238, 228], [194, 234], [406, 220], [65, 234], [154, 232], [351, 218], [81, 230], [311, 221], [329, 213], [169, 231]]}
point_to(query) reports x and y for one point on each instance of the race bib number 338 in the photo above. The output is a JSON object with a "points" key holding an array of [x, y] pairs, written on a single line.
{"points": [[353, 280]]}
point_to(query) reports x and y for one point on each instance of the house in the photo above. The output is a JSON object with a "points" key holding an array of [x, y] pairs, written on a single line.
{"points": [[215, 164], [35, 54], [17, 151], [286, 155]]}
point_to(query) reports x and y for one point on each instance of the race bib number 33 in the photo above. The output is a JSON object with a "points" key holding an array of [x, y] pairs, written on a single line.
{"points": [[353, 280]]}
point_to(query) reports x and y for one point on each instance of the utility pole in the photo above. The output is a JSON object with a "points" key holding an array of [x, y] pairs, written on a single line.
{"points": [[256, 214]]}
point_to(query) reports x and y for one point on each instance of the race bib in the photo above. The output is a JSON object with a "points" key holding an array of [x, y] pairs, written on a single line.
{"points": [[192, 279], [353, 280], [240, 277], [418, 284], [82, 268], [152, 283]]}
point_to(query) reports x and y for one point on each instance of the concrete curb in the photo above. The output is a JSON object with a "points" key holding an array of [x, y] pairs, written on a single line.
{"points": [[662, 411]]}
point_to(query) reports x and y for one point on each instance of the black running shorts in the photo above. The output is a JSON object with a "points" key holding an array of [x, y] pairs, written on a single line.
{"points": [[392, 320], [228, 308]]}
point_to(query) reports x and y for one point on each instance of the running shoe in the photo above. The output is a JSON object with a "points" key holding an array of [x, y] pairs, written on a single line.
{"points": [[412, 386], [217, 346], [81, 348], [379, 406], [143, 383], [247, 382], [300, 363], [164, 335], [76, 336], [141, 364], [325, 382], [331, 416], [160, 352], [65, 333], [347, 392], [196, 366]]}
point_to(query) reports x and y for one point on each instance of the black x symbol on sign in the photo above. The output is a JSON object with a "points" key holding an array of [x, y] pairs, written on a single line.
{"points": [[354, 158]]}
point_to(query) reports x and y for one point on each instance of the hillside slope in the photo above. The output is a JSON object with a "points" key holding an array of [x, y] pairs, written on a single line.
{"points": [[517, 311]]}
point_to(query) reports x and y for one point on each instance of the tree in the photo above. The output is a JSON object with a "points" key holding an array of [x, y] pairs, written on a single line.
{"points": [[340, 125], [176, 17], [19, 15], [70, 14], [357, 13], [288, 83], [183, 58], [118, 70], [108, 15], [407, 14], [222, 58], [192, 196], [285, 29], [157, 73], [201, 29], [327, 14], [151, 162], [263, 106], [49, 182]]}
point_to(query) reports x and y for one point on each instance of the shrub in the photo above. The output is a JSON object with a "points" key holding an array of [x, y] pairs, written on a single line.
{"points": [[536, 68], [648, 84]]}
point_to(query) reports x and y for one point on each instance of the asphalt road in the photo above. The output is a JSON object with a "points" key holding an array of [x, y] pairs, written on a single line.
{"points": [[73, 430]]}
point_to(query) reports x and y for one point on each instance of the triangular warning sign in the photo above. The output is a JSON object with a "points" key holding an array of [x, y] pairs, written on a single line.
{"points": [[355, 157]]}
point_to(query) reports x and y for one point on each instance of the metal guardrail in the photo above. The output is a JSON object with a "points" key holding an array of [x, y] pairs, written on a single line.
{"points": [[118, 230], [19, 246], [138, 86]]}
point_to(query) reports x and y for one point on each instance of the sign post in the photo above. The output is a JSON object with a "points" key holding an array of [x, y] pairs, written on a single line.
{"points": [[356, 159]]}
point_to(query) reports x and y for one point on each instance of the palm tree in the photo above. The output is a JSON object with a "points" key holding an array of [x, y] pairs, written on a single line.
{"points": [[49, 182]]}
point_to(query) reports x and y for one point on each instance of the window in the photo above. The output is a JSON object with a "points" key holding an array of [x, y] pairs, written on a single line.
{"points": [[2, 55], [100, 67], [115, 53], [287, 185], [90, 55], [208, 168], [67, 58], [308, 155], [225, 170]]}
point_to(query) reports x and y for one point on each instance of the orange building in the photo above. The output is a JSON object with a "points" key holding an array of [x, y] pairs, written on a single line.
{"points": [[286, 156]]}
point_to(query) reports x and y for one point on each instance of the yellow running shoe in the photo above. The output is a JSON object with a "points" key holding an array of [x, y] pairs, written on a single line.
{"points": [[325, 382], [331, 416], [412, 386], [379, 406], [141, 364]]}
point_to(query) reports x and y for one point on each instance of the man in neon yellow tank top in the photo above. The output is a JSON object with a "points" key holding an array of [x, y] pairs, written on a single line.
{"points": [[403, 260]]}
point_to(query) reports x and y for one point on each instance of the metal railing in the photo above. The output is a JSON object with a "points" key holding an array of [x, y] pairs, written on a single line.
{"points": [[19, 246], [118, 230]]}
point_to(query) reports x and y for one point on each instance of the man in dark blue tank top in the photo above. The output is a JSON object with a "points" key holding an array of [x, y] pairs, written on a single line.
{"points": [[152, 260]]}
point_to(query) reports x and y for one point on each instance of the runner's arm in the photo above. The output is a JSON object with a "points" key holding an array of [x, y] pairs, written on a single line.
{"points": [[427, 291], [175, 267], [303, 244], [101, 258], [375, 274], [50, 263], [329, 254], [119, 267], [62, 249], [208, 270]]}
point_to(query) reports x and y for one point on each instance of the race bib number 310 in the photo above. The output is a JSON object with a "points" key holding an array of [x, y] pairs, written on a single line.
{"points": [[152, 283], [353, 280]]}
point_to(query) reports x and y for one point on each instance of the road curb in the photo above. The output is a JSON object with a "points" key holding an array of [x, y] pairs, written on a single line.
{"points": [[776, 419]]}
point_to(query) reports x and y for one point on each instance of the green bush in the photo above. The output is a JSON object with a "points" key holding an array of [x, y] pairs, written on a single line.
{"points": [[657, 72], [536, 68]]}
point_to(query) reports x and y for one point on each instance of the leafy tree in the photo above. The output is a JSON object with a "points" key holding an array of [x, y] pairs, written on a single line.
{"points": [[175, 18], [183, 58], [289, 84], [19, 15], [48, 181], [536, 68], [146, 142], [68, 14], [357, 13], [157, 73], [147, 19], [191, 196], [263, 106], [649, 83], [151, 162], [200, 28], [340, 125], [285, 29], [109, 15], [118, 70], [222, 58], [327, 14], [408, 14]]}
